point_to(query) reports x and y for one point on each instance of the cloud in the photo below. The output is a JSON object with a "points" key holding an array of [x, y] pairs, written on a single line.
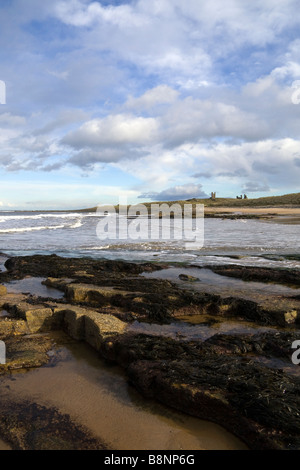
{"points": [[193, 119], [202, 175], [272, 161], [161, 94], [182, 120], [158, 92], [182, 40], [9, 120], [265, 167], [180, 192], [62, 120], [252, 187], [79, 14], [113, 130], [88, 158]]}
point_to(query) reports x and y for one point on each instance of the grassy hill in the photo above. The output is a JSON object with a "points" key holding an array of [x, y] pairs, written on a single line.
{"points": [[271, 201], [287, 200]]}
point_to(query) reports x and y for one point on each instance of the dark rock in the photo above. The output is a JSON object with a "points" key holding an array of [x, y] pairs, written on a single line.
{"points": [[30, 426], [221, 379], [256, 403], [186, 277], [262, 274]]}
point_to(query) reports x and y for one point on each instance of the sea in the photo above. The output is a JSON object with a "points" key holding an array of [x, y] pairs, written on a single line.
{"points": [[248, 242]]}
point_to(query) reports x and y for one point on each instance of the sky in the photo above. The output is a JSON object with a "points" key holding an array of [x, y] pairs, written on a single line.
{"points": [[149, 100]]}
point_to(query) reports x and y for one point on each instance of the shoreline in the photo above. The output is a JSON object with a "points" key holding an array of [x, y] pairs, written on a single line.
{"points": [[214, 378], [273, 214], [289, 215], [268, 210]]}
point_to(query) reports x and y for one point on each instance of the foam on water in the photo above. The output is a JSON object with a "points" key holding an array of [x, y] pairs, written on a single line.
{"points": [[244, 242]]}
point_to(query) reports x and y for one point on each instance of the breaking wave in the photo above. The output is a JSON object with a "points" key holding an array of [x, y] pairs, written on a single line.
{"points": [[31, 229]]}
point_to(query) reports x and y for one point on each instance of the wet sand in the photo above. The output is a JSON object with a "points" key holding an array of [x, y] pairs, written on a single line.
{"points": [[98, 396], [293, 211], [283, 215], [4, 446]]}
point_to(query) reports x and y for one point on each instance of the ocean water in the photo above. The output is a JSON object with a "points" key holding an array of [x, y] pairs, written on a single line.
{"points": [[241, 241]]}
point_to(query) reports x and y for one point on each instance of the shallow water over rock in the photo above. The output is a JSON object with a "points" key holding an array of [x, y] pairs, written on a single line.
{"points": [[208, 281], [33, 286], [192, 328], [98, 397]]}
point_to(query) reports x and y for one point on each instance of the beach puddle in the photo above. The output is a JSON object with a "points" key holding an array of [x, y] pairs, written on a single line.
{"points": [[196, 327], [33, 286], [225, 286], [98, 397]]}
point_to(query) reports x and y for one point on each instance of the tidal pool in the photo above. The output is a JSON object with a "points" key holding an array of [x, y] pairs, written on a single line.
{"points": [[98, 396]]}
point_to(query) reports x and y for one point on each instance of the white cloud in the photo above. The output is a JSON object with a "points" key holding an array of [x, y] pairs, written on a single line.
{"points": [[80, 14], [161, 94], [180, 121], [179, 40], [113, 130]]}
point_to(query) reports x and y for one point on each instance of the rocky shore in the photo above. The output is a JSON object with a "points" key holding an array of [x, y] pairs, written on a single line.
{"points": [[242, 379]]}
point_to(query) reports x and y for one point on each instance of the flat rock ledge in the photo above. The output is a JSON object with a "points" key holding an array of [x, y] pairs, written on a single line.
{"points": [[222, 379]]}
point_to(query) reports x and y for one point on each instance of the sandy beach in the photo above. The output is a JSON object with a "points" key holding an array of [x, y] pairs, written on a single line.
{"points": [[261, 211], [281, 215]]}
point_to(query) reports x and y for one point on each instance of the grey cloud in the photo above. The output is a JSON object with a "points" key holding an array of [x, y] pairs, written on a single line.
{"points": [[263, 167], [297, 161], [181, 192], [241, 172], [253, 187], [205, 174], [63, 119], [191, 120], [87, 157], [52, 166]]}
